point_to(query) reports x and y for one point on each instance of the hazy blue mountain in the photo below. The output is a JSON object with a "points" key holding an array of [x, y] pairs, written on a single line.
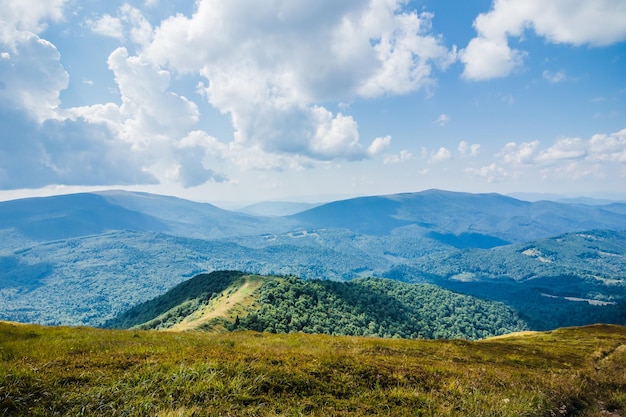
{"points": [[590, 201], [58, 217], [192, 219], [277, 208], [458, 219], [80, 259]]}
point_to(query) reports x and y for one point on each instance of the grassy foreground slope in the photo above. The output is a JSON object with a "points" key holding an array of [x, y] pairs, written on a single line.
{"points": [[232, 300], [86, 371]]}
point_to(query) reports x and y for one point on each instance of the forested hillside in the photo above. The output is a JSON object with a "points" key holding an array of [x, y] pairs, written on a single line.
{"points": [[83, 259], [362, 307], [567, 280]]}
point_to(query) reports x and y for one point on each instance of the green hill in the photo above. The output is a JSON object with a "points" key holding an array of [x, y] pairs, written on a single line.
{"points": [[568, 280], [230, 300], [48, 371]]}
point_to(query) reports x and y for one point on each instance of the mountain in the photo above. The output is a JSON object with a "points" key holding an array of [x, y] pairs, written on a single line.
{"points": [[83, 259], [64, 216], [362, 307], [571, 279], [277, 208], [460, 219], [196, 220]]}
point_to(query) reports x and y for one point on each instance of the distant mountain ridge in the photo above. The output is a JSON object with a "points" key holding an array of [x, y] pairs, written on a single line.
{"points": [[58, 217], [277, 208], [84, 258], [453, 213]]}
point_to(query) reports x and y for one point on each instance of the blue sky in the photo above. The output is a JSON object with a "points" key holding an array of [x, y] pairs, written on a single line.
{"points": [[233, 100]]}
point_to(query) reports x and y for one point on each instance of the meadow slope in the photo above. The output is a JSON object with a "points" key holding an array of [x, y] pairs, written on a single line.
{"points": [[84, 371]]}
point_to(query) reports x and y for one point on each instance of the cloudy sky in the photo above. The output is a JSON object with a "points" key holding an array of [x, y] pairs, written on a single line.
{"points": [[250, 100]]}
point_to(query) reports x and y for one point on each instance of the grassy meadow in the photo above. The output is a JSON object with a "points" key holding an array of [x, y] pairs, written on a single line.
{"points": [[46, 371]]}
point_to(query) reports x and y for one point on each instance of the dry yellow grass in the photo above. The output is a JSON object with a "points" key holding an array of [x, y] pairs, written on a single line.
{"points": [[224, 305], [94, 372]]}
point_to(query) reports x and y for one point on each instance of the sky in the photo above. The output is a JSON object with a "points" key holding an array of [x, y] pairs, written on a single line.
{"points": [[258, 100]]}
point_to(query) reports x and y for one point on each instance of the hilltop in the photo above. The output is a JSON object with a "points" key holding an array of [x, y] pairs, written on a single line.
{"points": [[231, 300], [86, 371]]}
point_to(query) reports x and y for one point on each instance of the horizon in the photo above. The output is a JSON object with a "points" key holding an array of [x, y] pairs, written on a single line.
{"points": [[325, 198], [214, 100]]}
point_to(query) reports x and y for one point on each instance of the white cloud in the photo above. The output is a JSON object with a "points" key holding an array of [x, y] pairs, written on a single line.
{"points": [[266, 67], [31, 75], [69, 152], [141, 31], [601, 156], [522, 154], [443, 119], [130, 23], [575, 22], [107, 25], [492, 173], [379, 145], [566, 148], [137, 142], [403, 156], [28, 16], [465, 149], [554, 77], [486, 58], [600, 147], [609, 148], [442, 154], [149, 112]]}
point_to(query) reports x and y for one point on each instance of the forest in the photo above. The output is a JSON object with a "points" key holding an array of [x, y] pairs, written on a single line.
{"points": [[361, 307]]}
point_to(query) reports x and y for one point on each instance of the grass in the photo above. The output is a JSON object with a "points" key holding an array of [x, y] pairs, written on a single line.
{"points": [[84, 371], [227, 305]]}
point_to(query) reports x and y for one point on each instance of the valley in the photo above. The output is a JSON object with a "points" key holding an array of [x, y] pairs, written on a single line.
{"points": [[84, 259]]}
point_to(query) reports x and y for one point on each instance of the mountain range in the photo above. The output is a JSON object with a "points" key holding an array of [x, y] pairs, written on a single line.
{"points": [[84, 259]]}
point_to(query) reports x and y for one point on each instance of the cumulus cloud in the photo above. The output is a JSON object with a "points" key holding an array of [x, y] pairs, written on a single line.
{"points": [[28, 16], [379, 145], [566, 148], [440, 155], [492, 173], [522, 154], [610, 148], [107, 25], [489, 58], [31, 75], [267, 67], [40, 145], [465, 149], [130, 23], [600, 156], [577, 22], [69, 152], [149, 110], [403, 156]]}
